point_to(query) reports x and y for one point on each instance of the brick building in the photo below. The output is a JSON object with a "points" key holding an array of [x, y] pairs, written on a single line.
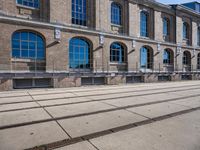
{"points": [[65, 43]]}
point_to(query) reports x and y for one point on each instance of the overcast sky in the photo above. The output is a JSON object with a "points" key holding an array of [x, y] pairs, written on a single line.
{"points": [[175, 1]]}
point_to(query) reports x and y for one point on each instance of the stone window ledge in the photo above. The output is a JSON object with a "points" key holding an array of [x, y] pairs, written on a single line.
{"points": [[27, 7], [26, 60], [117, 63]]}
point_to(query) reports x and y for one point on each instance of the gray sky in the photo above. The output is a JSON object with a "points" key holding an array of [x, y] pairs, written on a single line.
{"points": [[175, 1]]}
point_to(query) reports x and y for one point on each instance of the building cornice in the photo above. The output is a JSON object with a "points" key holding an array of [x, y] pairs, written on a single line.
{"points": [[46, 25]]}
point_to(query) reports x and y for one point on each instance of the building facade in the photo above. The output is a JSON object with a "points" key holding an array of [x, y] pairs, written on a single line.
{"points": [[65, 43]]}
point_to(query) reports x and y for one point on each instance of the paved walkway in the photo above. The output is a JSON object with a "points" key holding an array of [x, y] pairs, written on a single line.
{"points": [[156, 116]]}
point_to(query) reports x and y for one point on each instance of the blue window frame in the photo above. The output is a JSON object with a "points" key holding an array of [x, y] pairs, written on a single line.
{"points": [[117, 53], [29, 3], [79, 54], [79, 12], [146, 58], [28, 45], [166, 25], [116, 14], [144, 24], [185, 30], [168, 57]]}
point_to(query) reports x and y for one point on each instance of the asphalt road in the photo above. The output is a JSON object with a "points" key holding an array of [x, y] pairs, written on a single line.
{"points": [[154, 116]]}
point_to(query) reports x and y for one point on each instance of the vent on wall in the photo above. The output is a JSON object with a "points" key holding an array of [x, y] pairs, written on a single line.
{"points": [[93, 81], [186, 77], [32, 83], [164, 78], [134, 79]]}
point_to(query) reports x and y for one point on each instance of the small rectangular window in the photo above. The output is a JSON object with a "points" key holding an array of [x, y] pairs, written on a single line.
{"points": [[29, 3]]}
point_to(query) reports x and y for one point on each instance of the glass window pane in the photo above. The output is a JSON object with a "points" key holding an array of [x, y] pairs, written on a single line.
{"points": [[24, 45], [16, 36], [15, 53], [28, 44], [115, 14], [79, 53], [144, 24], [116, 53], [29, 3], [32, 37], [24, 53], [24, 36], [79, 12], [32, 54], [16, 44]]}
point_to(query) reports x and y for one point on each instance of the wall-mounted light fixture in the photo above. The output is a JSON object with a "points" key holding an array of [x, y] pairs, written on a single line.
{"points": [[194, 52], [57, 34], [158, 48], [133, 44], [101, 39]]}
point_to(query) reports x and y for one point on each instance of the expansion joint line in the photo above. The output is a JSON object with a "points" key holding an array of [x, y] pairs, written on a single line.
{"points": [[50, 116]]}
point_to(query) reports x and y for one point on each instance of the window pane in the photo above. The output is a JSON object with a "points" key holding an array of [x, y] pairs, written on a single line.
{"points": [[144, 24], [24, 36], [32, 54], [79, 53], [28, 44], [143, 57], [24, 53], [79, 12], [15, 53], [116, 53], [32, 37], [16, 36], [115, 14], [29, 3], [16, 44]]}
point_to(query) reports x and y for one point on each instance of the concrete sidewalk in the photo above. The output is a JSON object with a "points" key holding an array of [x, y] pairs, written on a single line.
{"points": [[129, 117]]}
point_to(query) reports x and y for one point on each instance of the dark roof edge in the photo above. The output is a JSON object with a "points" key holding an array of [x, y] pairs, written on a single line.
{"points": [[182, 7]]}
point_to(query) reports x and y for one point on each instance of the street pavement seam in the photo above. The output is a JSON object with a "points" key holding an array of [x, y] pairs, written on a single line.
{"points": [[102, 89], [91, 100], [92, 113], [127, 110], [93, 145], [51, 117], [90, 95], [112, 130]]}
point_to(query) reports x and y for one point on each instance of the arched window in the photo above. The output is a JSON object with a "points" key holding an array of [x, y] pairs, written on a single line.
{"points": [[116, 14], [79, 54], [146, 58], [168, 57], [28, 45], [186, 58], [117, 53], [79, 13], [29, 3], [144, 24], [166, 26], [198, 61], [185, 31], [198, 36]]}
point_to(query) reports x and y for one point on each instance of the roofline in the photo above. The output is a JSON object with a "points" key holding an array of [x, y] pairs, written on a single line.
{"points": [[191, 2], [182, 7], [154, 3]]}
